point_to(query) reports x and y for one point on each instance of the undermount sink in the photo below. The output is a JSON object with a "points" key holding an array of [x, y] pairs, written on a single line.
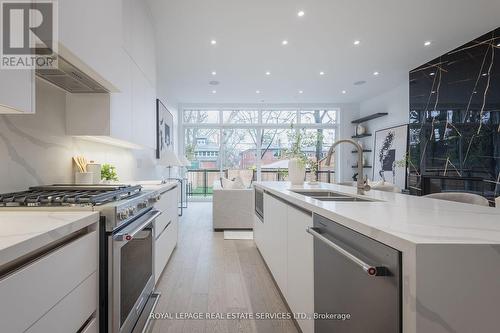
{"points": [[331, 196]]}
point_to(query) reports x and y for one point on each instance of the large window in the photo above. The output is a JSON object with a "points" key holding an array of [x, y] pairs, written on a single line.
{"points": [[228, 142]]}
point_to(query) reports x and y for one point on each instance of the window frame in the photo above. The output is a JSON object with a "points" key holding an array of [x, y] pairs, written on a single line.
{"points": [[259, 126]]}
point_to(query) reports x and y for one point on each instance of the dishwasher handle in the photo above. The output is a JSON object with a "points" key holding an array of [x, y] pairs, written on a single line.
{"points": [[369, 269]]}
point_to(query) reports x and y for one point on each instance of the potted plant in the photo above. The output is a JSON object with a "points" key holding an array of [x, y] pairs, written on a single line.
{"points": [[108, 173], [297, 159]]}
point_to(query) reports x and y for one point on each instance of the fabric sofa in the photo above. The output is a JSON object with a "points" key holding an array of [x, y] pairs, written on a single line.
{"points": [[232, 208]]}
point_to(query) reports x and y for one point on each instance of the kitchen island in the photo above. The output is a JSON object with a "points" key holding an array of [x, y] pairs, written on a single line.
{"points": [[450, 252]]}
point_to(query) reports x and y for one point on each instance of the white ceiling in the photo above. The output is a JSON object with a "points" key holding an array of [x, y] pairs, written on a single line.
{"points": [[249, 35]]}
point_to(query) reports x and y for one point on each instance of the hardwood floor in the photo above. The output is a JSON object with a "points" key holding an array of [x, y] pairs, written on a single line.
{"points": [[211, 275]]}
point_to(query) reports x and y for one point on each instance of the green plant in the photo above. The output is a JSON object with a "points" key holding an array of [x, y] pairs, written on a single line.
{"points": [[298, 140], [108, 172]]}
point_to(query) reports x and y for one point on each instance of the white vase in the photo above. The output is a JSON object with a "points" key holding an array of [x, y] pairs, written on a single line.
{"points": [[360, 130], [296, 172]]}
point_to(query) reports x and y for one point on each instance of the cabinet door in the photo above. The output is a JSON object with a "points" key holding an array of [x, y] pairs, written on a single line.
{"points": [[300, 267], [92, 31], [143, 110], [275, 234], [17, 91], [258, 232]]}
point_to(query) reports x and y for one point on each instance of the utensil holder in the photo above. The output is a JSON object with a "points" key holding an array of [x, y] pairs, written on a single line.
{"points": [[95, 169], [84, 177]]}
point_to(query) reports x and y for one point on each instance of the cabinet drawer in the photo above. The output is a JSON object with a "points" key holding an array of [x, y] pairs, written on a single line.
{"points": [[168, 206], [164, 246], [36, 288], [71, 313]]}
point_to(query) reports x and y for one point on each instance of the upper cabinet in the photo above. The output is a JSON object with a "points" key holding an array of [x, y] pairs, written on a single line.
{"points": [[139, 37], [92, 31], [116, 40], [17, 91]]}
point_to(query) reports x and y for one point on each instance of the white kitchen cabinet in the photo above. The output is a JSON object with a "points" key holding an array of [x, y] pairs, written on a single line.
{"points": [[92, 31], [17, 91], [39, 286], [275, 242], [72, 312], [288, 251], [139, 37], [258, 232], [166, 229], [143, 110], [300, 267]]}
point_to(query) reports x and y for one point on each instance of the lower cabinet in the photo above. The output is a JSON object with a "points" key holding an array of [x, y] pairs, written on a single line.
{"points": [[55, 292], [275, 239], [300, 266], [166, 230], [288, 252]]}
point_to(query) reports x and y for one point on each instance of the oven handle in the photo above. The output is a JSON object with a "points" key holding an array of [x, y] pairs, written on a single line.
{"points": [[369, 269], [126, 234]]}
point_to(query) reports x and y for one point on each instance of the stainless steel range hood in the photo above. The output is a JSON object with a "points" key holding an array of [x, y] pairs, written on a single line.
{"points": [[70, 78]]}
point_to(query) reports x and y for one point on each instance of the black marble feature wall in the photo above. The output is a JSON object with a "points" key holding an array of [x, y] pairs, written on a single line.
{"points": [[454, 131]]}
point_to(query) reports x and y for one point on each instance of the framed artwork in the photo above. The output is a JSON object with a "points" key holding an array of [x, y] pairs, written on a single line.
{"points": [[164, 130], [389, 163]]}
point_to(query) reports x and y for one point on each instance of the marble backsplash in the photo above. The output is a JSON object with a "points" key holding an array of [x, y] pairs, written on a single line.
{"points": [[35, 150]]}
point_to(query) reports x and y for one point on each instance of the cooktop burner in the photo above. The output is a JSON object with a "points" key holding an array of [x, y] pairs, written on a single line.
{"points": [[65, 195]]}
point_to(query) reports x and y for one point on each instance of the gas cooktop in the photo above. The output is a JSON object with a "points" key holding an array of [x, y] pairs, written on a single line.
{"points": [[67, 195]]}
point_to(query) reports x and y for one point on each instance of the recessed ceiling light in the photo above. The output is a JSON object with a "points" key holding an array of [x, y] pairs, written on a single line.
{"points": [[301, 92], [214, 91], [484, 74], [321, 73], [433, 92], [432, 74], [344, 92], [356, 42], [498, 44], [427, 43], [213, 42], [268, 73], [214, 73], [285, 42], [257, 91], [301, 13], [376, 73]]}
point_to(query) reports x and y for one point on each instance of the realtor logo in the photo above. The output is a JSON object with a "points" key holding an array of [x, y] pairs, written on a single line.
{"points": [[28, 34]]}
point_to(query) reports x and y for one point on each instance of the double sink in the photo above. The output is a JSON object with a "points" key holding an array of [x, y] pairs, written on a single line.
{"points": [[331, 196]]}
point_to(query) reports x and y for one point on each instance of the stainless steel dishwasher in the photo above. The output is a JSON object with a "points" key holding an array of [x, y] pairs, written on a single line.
{"points": [[357, 276]]}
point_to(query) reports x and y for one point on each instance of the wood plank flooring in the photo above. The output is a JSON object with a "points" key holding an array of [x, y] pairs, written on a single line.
{"points": [[211, 275]]}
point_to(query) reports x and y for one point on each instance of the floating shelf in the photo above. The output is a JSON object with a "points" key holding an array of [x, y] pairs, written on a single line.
{"points": [[370, 117], [364, 167], [364, 151], [361, 136]]}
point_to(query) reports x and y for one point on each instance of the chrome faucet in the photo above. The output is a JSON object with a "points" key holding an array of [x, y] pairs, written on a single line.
{"points": [[361, 183]]}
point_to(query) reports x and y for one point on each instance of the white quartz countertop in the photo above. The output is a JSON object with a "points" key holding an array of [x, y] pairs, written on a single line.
{"points": [[155, 185], [22, 232], [399, 220]]}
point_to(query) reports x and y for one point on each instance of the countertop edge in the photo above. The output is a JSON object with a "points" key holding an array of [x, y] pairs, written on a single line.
{"points": [[32, 244]]}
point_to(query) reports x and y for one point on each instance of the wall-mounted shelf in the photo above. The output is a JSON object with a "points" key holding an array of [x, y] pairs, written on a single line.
{"points": [[364, 166], [361, 136], [370, 117], [364, 151]]}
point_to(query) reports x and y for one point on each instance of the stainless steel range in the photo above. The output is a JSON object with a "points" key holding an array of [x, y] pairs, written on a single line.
{"points": [[126, 244]]}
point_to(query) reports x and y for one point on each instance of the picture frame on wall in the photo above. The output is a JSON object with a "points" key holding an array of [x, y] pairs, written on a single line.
{"points": [[389, 162], [164, 130]]}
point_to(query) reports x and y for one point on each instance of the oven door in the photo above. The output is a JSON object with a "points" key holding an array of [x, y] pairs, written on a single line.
{"points": [[131, 279]]}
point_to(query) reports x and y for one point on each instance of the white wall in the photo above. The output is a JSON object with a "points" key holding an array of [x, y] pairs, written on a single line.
{"points": [[396, 102], [35, 150]]}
